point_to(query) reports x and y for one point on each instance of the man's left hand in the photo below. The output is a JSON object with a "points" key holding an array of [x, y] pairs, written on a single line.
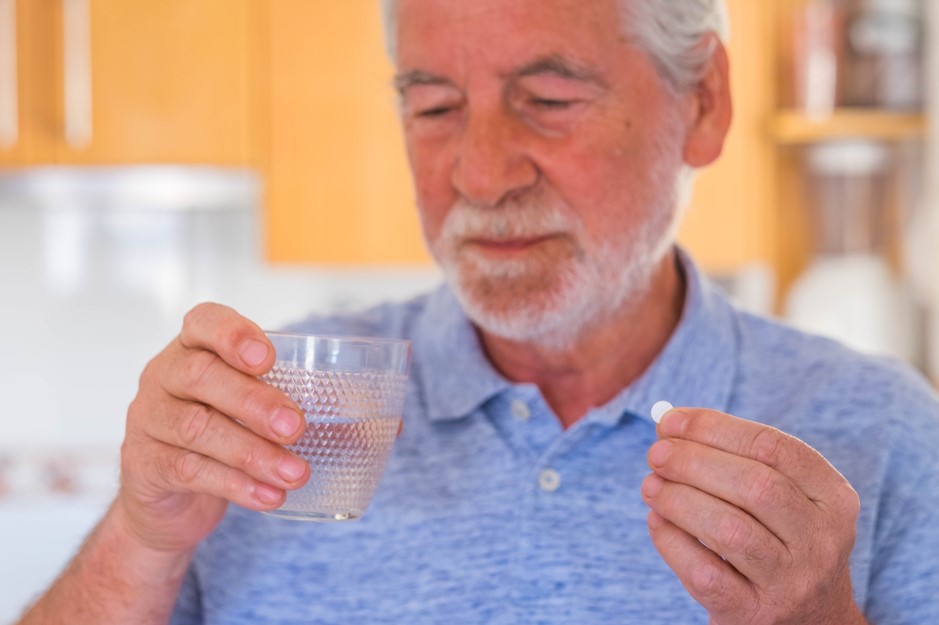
{"points": [[757, 525]]}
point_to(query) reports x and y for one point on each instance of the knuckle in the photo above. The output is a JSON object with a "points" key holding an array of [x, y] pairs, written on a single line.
{"points": [[695, 427], [150, 379], [829, 552], [197, 314], [206, 323], [256, 399], [198, 368], [134, 409], [195, 425], [851, 502], [251, 460], [235, 485], [147, 373], [765, 489], [126, 458], [734, 534], [134, 453], [804, 590], [687, 461], [187, 467], [767, 446], [706, 582]]}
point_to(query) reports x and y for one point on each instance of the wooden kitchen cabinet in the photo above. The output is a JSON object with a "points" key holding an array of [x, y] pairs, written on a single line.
{"points": [[26, 84], [110, 82]]}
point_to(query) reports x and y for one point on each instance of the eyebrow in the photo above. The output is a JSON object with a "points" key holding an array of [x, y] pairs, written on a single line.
{"points": [[562, 67], [413, 78], [553, 64]]}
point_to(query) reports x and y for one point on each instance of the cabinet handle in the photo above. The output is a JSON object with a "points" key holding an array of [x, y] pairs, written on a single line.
{"points": [[76, 37], [9, 111]]}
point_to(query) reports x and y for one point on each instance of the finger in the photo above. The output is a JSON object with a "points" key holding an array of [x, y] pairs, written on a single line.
{"points": [[186, 471], [765, 493], [203, 377], [209, 433], [727, 530], [713, 583], [807, 469], [237, 340]]}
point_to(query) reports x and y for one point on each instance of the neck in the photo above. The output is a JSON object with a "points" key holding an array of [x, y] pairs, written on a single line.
{"points": [[591, 373]]}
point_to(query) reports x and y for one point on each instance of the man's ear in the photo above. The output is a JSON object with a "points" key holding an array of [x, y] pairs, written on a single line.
{"points": [[709, 110]]}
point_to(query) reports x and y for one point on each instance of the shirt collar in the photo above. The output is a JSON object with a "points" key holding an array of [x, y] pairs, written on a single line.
{"points": [[697, 367], [446, 344]]}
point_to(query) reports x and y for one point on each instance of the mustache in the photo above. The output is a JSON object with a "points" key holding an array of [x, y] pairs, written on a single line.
{"points": [[513, 219]]}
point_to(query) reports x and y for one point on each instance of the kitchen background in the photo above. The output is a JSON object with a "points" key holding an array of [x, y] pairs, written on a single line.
{"points": [[158, 154]]}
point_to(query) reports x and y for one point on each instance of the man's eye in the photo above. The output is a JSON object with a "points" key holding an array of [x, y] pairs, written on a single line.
{"points": [[547, 103], [437, 111]]}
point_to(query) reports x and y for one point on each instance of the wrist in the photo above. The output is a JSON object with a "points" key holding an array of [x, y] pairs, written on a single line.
{"points": [[141, 562]]}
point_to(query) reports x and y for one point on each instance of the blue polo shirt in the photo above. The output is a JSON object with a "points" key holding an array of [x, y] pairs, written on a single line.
{"points": [[490, 512]]}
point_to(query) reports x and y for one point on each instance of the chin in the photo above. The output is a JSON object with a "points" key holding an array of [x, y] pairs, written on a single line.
{"points": [[549, 311]]}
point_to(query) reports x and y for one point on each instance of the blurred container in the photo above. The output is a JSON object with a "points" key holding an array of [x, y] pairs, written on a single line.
{"points": [[849, 292], [885, 54], [815, 56], [848, 187]]}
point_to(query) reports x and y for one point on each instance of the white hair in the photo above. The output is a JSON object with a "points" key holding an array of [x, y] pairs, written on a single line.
{"points": [[677, 34]]}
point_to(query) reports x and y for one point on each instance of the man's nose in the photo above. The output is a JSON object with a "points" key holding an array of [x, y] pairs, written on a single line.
{"points": [[492, 160]]}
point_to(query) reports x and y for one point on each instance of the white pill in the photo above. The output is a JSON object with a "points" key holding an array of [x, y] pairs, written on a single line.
{"points": [[659, 410]]}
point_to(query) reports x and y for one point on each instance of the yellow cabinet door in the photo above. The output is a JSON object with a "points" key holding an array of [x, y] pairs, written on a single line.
{"points": [[151, 81], [338, 187], [154, 81], [27, 112]]}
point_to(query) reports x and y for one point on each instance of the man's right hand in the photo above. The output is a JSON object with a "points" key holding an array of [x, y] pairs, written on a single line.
{"points": [[203, 431]]}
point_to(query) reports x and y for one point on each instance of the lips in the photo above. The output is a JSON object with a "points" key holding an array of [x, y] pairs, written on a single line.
{"points": [[509, 245]]}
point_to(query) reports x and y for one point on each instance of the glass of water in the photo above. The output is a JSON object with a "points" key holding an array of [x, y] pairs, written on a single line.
{"points": [[351, 391]]}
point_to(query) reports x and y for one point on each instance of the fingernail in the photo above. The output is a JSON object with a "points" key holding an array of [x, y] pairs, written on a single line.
{"points": [[659, 453], [253, 353], [267, 495], [652, 485], [291, 468], [673, 422], [286, 422]]}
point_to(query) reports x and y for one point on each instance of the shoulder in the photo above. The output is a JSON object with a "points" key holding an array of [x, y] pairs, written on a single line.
{"points": [[798, 360], [822, 384]]}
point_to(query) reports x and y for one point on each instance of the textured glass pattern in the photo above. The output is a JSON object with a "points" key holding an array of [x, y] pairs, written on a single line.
{"points": [[352, 422]]}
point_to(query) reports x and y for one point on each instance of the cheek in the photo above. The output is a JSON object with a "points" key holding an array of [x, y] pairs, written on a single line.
{"points": [[600, 185], [432, 189]]}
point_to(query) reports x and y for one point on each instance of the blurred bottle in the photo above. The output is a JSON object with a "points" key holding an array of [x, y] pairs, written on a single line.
{"points": [[816, 56], [884, 66]]}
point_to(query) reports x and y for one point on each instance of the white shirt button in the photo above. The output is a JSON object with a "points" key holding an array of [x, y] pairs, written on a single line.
{"points": [[520, 410], [549, 480]]}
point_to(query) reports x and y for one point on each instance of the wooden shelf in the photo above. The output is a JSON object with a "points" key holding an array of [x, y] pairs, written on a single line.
{"points": [[795, 127]]}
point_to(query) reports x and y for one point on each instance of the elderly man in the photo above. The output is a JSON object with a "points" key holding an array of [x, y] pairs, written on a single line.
{"points": [[551, 142]]}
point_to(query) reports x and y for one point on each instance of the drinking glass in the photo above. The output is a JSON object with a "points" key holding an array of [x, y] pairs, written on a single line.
{"points": [[351, 391]]}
